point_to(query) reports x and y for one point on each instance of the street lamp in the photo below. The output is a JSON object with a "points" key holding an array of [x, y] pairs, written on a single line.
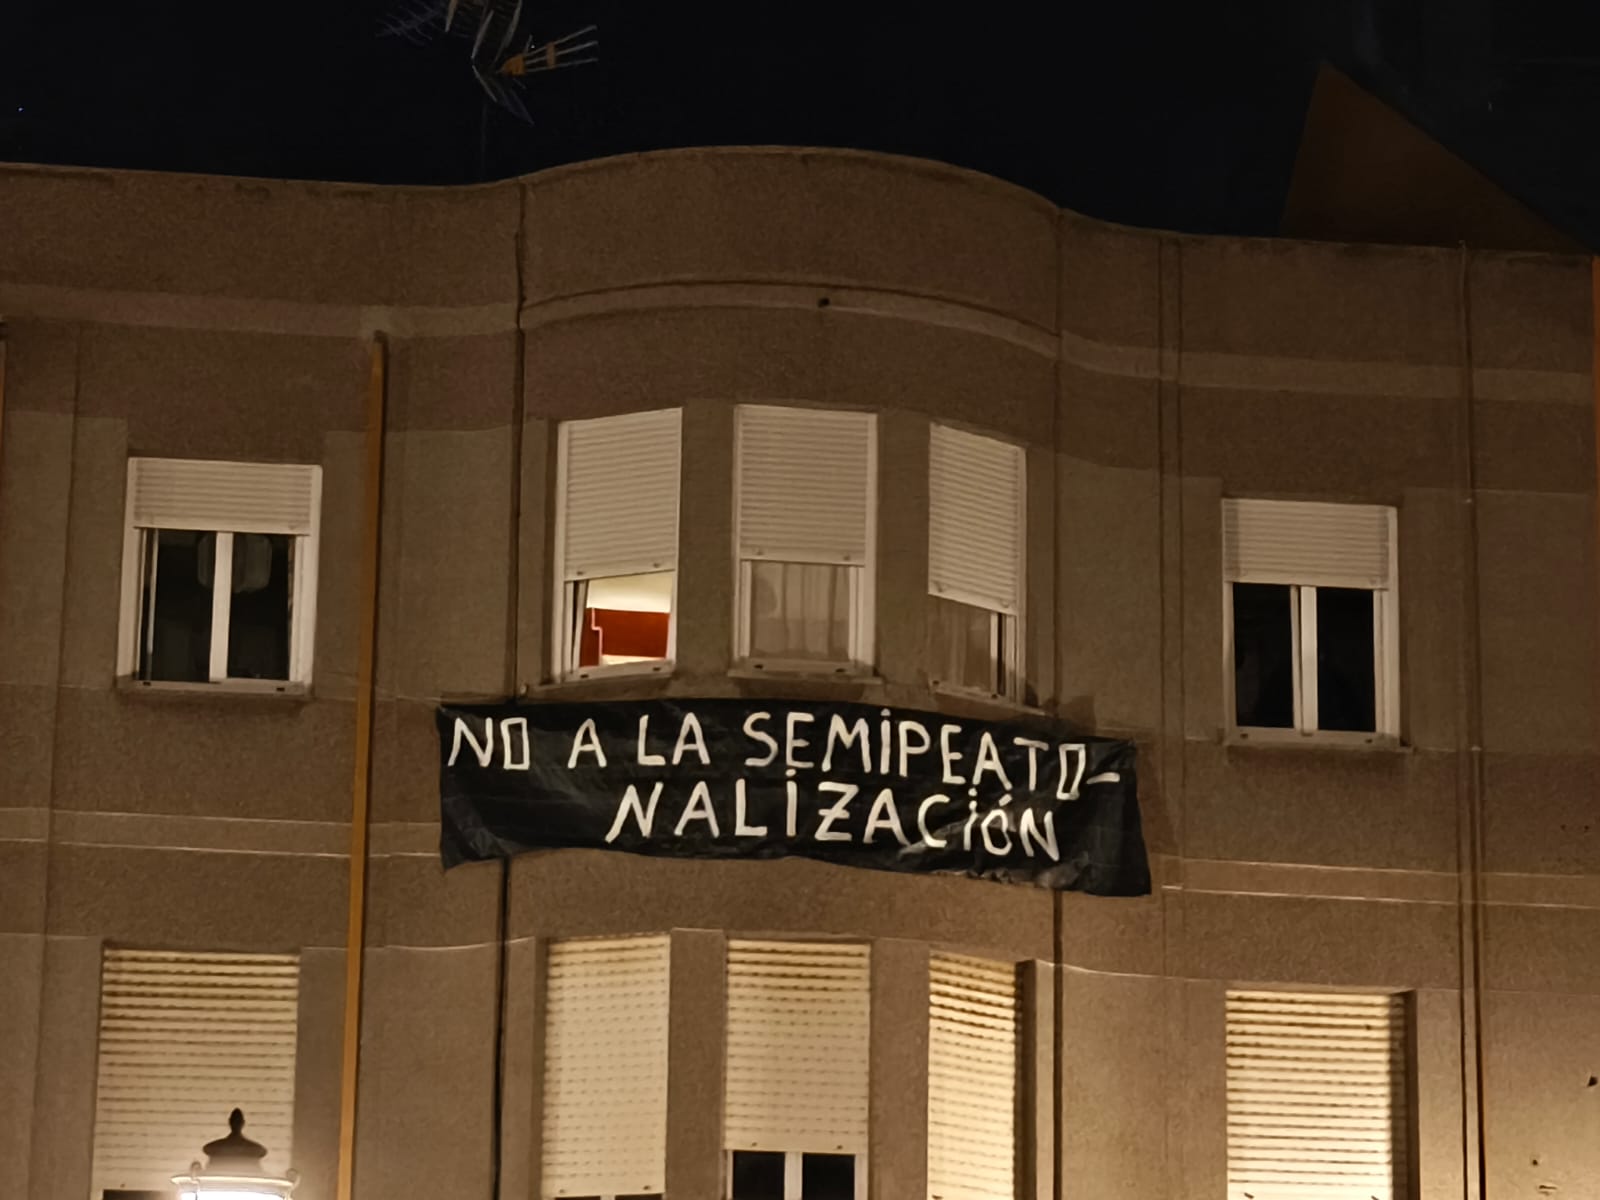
{"points": [[232, 1170]]}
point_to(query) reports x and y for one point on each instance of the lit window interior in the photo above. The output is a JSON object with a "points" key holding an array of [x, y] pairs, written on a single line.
{"points": [[626, 618]]}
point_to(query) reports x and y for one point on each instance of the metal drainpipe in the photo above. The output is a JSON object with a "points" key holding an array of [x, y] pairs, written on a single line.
{"points": [[1594, 371], [2, 387], [361, 783], [1469, 787]]}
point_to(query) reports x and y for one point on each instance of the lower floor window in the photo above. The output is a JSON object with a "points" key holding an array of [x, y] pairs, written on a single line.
{"points": [[972, 647], [793, 1175], [1318, 1095], [184, 1038]]}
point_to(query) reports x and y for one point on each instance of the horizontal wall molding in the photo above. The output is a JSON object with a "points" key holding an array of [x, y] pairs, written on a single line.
{"points": [[233, 314], [1501, 889], [1222, 877], [420, 839], [1204, 369], [238, 835], [24, 824], [873, 302], [1198, 369]]}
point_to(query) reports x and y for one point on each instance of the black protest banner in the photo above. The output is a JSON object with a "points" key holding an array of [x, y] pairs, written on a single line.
{"points": [[890, 789]]}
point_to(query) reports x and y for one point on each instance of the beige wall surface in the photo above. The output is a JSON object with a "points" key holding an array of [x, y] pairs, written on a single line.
{"points": [[1147, 375]]}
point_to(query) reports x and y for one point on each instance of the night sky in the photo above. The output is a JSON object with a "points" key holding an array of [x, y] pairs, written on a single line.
{"points": [[1179, 115]]}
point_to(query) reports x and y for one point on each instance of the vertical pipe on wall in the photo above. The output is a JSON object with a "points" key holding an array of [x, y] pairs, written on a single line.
{"points": [[1469, 768], [361, 783], [2, 388], [1594, 374]]}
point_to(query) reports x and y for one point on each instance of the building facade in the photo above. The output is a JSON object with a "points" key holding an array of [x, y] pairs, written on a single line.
{"points": [[1313, 525]]}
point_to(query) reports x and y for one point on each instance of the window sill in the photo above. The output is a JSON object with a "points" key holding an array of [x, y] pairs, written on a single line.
{"points": [[660, 668], [1325, 739], [1008, 704], [250, 689], [790, 669]]}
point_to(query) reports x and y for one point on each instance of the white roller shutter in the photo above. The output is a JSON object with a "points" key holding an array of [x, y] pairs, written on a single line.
{"points": [[1317, 1102], [797, 1046], [619, 494], [972, 1078], [975, 519], [605, 1067], [184, 1040], [1327, 545], [237, 497], [804, 486]]}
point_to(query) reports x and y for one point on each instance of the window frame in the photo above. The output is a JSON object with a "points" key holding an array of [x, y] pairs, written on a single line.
{"points": [[1005, 648], [1303, 635], [563, 667], [1008, 631], [793, 1171], [862, 579], [305, 551], [860, 646]]}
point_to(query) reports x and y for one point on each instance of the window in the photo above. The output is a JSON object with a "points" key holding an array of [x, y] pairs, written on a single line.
{"points": [[185, 1039], [792, 1175], [1311, 617], [605, 1068], [796, 1074], [803, 520], [1318, 1098], [617, 542], [975, 537], [972, 1078], [219, 572]]}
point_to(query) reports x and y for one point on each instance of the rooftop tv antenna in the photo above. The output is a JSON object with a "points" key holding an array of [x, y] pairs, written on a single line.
{"points": [[503, 55]]}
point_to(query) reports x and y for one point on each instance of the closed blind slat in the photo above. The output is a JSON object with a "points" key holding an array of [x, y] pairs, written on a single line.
{"points": [[185, 1039], [605, 1070], [796, 1074], [804, 484], [620, 503], [1316, 1096], [972, 1078], [975, 507], [237, 497], [1305, 542]]}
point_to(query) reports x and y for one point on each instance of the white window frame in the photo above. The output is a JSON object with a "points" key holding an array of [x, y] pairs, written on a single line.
{"points": [[136, 547], [1006, 630], [860, 640], [1303, 635], [862, 580], [1005, 637], [564, 667], [793, 1171]]}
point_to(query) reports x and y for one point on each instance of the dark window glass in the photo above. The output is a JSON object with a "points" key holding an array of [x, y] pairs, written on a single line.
{"points": [[258, 622], [176, 642], [827, 1177], [1346, 674], [1263, 656], [757, 1175], [963, 650]]}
